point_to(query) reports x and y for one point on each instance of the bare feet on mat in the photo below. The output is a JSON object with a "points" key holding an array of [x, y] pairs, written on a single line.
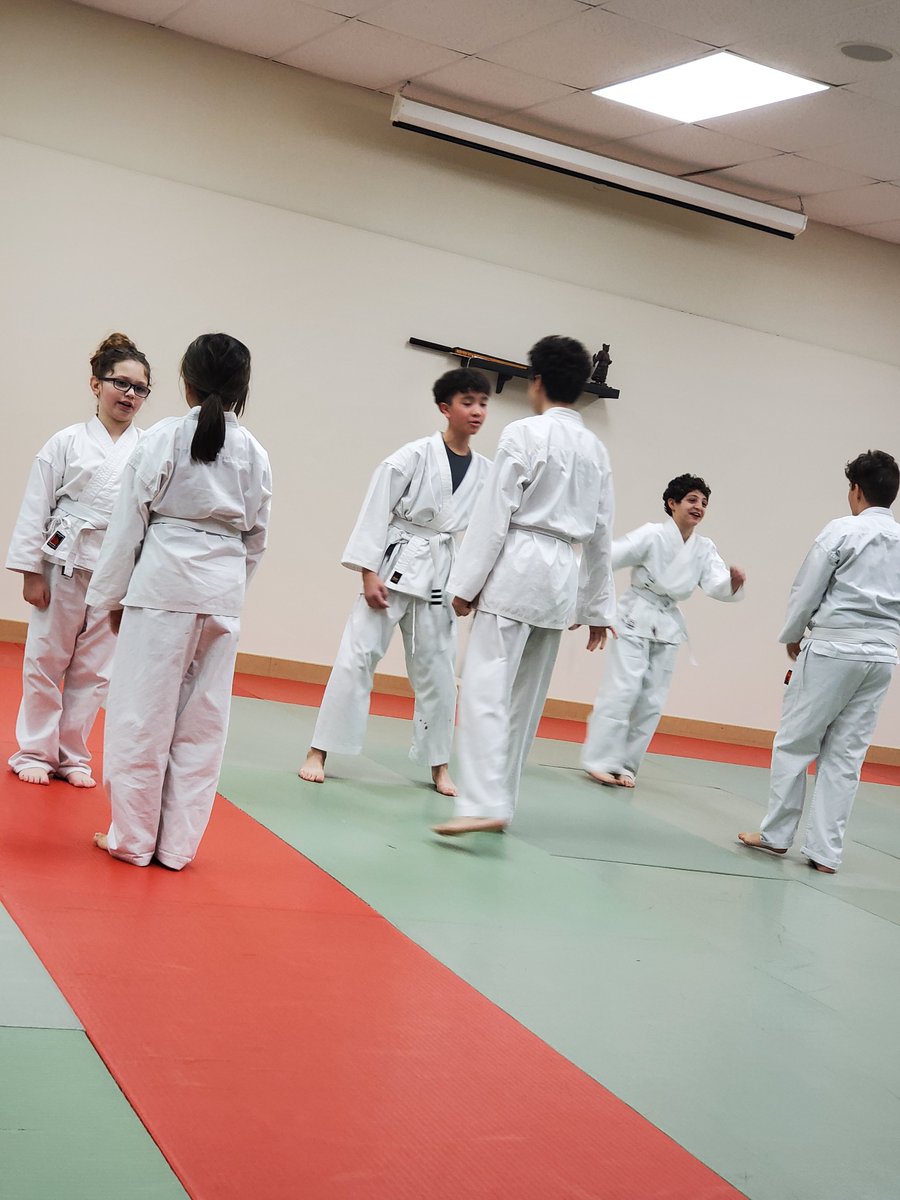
{"points": [[34, 775], [313, 770], [443, 784], [625, 781], [605, 778], [821, 867], [755, 842], [458, 825], [101, 841], [81, 779]]}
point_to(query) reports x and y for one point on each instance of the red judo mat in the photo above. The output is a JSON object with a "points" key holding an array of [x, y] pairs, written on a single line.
{"points": [[281, 1041]]}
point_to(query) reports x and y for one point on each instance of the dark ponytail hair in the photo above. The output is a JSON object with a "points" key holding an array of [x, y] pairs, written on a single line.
{"points": [[217, 369], [118, 347]]}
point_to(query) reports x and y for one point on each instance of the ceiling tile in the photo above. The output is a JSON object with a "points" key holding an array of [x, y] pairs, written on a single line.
{"points": [[595, 49], [471, 25], [154, 11], [723, 22], [791, 175], [812, 48], [346, 8], [267, 28], [887, 231], [369, 57], [878, 157], [684, 149], [883, 84], [806, 122], [856, 206], [590, 116], [487, 84]]}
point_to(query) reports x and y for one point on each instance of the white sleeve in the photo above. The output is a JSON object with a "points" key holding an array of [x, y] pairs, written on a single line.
{"points": [[596, 590], [715, 578], [30, 530], [122, 541], [499, 498], [632, 549], [368, 541], [808, 591], [255, 539]]}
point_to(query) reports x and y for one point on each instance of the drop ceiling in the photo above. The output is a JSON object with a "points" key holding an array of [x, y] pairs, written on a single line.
{"points": [[532, 65]]}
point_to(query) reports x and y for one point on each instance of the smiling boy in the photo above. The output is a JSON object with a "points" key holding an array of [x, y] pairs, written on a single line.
{"points": [[668, 561]]}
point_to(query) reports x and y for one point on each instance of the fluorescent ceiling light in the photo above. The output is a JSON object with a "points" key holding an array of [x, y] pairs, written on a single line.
{"points": [[555, 156], [709, 87]]}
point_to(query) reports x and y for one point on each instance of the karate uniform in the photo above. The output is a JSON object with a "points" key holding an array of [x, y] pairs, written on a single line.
{"points": [[651, 627], [68, 499], [847, 598], [549, 488], [405, 533], [183, 541]]}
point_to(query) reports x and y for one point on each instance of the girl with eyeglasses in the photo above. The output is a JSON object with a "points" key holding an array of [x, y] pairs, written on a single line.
{"points": [[68, 499], [187, 533]]}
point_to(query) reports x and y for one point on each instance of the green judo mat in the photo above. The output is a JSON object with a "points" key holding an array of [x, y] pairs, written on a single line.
{"points": [[743, 1004]]}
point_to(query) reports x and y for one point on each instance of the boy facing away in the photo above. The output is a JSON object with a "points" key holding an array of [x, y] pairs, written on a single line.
{"points": [[668, 561], [842, 631], [403, 545], [549, 488]]}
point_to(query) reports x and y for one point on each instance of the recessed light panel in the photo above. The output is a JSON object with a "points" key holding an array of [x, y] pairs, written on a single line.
{"points": [[709, 87]]}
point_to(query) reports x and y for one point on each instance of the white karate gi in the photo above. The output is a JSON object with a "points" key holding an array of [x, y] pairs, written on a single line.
{"points": [[638, 671], [847, 596], [69, 496], [404, 532], [183, 541], [550, 487]]}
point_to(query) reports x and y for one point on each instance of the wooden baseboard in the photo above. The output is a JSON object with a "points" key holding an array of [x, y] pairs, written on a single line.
{"points": [[13, 631]]}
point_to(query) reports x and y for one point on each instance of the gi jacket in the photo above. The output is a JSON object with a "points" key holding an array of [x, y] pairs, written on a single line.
{"points": [[550, 487], [405, 527], [186, 536], [666, 569]]}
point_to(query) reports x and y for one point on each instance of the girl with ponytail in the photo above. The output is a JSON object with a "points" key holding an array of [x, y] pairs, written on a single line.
{"points": [[187, 534], [68, 499]]}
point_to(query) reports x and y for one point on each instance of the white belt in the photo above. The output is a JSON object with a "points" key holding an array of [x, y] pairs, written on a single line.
{"points": [[550, 533], [85, 517], [656, 598], [422, 531], [201, 525], [825, 633]]}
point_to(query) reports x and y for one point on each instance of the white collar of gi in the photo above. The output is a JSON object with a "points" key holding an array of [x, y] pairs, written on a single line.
{"points": [[873, 511], [558, 411], [194, 415]]}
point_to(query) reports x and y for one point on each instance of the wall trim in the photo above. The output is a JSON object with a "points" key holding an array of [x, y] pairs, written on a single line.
{"points": [[567, 710]]}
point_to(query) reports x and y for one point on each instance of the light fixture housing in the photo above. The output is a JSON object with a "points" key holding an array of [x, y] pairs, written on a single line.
{"points": [[566, 160], [713, 86]]}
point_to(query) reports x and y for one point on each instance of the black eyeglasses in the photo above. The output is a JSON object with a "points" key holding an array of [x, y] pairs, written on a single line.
{"points": [[125, 386]]}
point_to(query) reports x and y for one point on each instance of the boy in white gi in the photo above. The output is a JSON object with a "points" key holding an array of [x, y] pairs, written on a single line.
{"points": [[669, 562], [68, 499], [403, 545], [549, 488], [842, 631], [187, 534]]}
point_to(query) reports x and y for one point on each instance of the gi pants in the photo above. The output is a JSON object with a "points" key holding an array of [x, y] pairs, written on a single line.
{"points": [[829, 715], [504, 686], [636, 681], [429, 643], [68, 644], [166, 723]]}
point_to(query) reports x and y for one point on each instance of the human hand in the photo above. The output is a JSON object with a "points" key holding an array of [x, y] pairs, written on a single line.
{"points": [[597, 635], [461, 607], [115, 620], [35, 590], [793, 650], [738, 579], [374, 590]]}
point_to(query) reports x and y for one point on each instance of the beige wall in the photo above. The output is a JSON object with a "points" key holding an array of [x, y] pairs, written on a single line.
{"points": [[166, 187]]}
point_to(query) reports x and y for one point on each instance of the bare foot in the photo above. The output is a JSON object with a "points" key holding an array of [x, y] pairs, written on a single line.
{"points": [[81, 779], [443, 784], [101, 841], [625, 781], [457, 825], [605, 778], [34, 775], [821, 867], [755, 842], [313, 770]]}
